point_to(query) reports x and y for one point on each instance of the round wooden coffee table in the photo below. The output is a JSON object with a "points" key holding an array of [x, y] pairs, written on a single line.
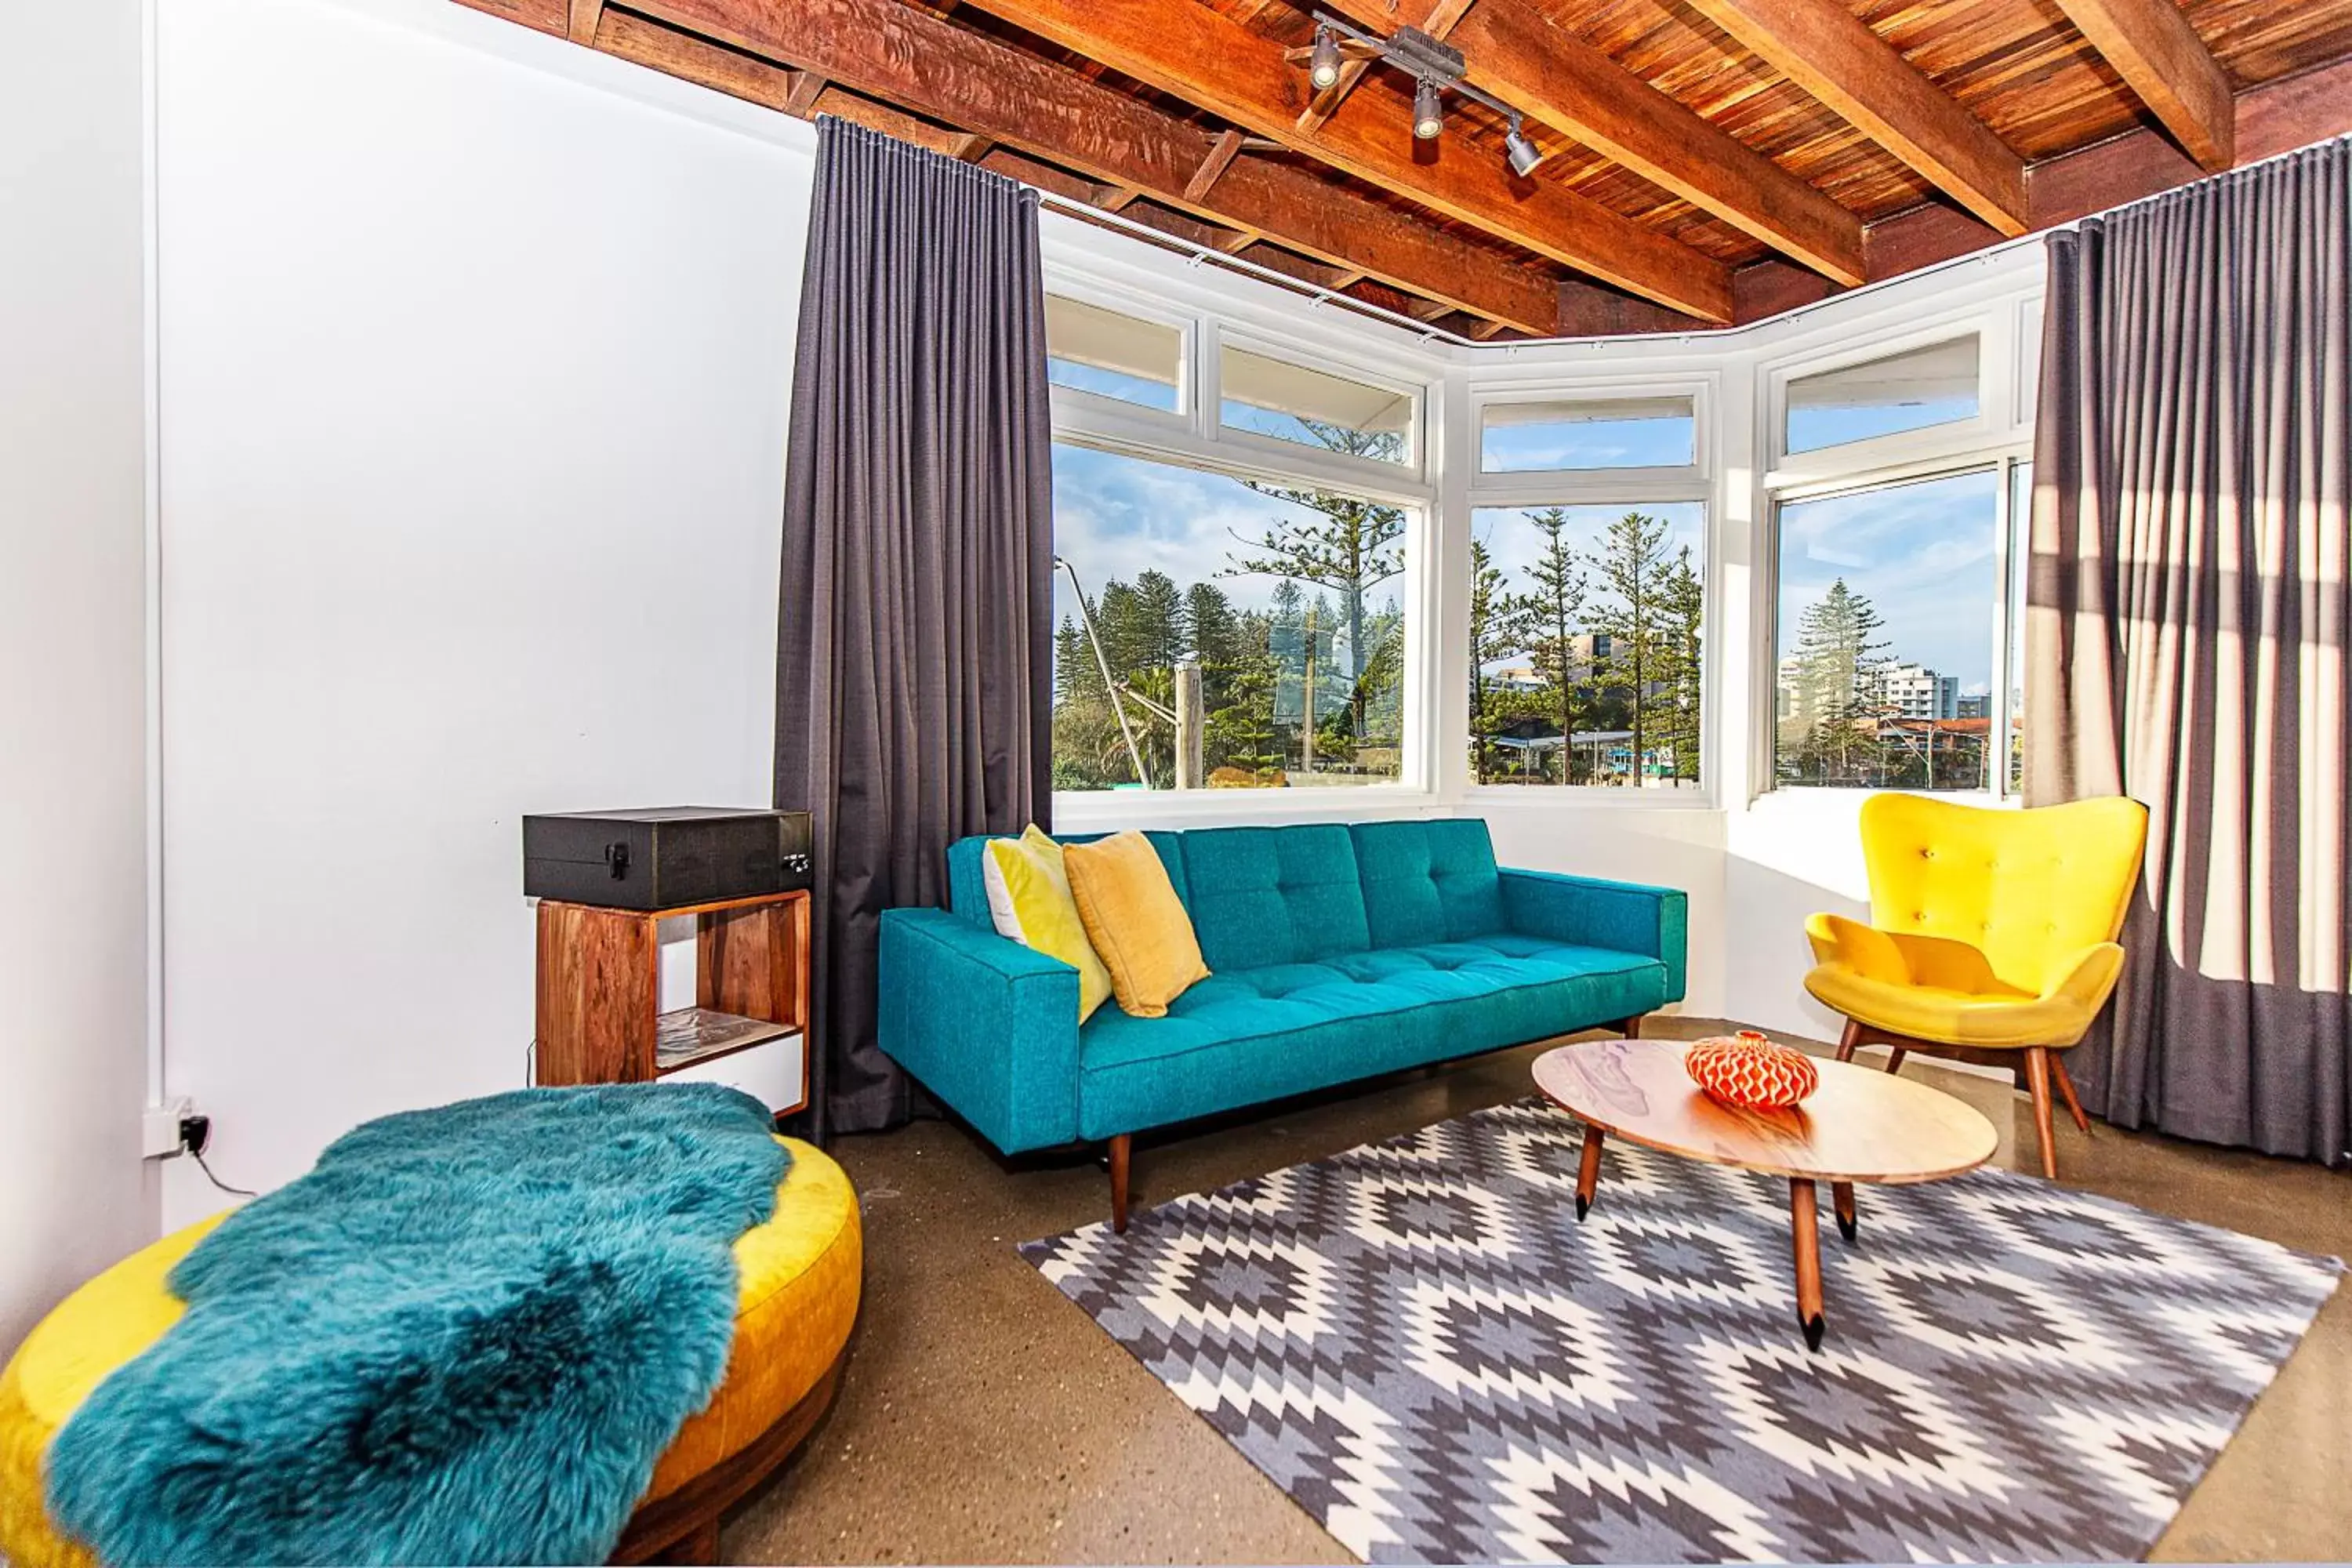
{"points": [[1861, 1126]]}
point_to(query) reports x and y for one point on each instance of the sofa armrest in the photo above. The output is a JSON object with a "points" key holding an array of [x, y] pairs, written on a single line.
{"points": [[1623, 917], [985, 1023]]}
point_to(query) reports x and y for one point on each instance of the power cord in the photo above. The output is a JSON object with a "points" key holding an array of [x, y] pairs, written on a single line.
{"points": [[195, 1134], [207, 1170]]}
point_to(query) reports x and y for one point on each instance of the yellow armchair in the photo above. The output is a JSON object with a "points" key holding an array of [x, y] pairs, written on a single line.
{"points": [[1992, 936]]}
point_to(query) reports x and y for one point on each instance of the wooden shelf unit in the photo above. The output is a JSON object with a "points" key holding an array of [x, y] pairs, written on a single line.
{"points": [[599, 988]]}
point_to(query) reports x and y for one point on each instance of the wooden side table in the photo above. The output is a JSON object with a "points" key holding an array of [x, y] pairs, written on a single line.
{"points": [[599, 990], [1861, 1125]]}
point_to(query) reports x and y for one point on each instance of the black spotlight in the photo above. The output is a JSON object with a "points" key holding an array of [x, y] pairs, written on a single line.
{"points": [[1428, 111], [1523, 154], [1323, 65]]}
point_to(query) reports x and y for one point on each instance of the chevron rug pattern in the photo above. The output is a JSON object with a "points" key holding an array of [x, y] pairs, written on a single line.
{"points": [[1417, 1341]]}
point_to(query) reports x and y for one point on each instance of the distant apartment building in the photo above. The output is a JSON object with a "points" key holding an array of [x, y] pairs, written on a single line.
{"points": [[1978, 706], [1914, 691]]}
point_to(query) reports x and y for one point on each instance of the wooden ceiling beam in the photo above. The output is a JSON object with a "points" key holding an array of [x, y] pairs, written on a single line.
{"points": [[893, 51], [2162, 60], [1222, 153], [582, 18], [1214, 63], [706, 64], [1555, 78], [1825, 50]]}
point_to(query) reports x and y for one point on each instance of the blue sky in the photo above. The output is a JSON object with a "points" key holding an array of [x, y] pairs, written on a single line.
{"points": [[1116, 516], [1922, 553], [1586, 444]]}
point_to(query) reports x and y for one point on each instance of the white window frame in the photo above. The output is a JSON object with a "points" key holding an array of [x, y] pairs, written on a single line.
{"points": [[1297, 455], [1696, 472], [1994, 415], [1521, 489], [2000, 459], [1997, 438], [1199, 440], [1078, 404]]}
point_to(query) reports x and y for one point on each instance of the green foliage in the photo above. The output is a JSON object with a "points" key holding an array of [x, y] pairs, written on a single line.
{"points": [[1826, 733]]}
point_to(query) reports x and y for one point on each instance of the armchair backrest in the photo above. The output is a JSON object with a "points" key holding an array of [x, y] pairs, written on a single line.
{"points": [[2028, 888]]}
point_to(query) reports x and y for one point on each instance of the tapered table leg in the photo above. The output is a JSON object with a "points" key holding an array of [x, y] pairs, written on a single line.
{"points": [[1805, 1226], [1841, 1200], [1587, 1171]]}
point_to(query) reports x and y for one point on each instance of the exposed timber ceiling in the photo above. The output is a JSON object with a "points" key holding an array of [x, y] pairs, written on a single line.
{"points": [[1706, 162]]}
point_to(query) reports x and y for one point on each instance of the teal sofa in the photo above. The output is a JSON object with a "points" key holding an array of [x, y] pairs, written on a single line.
{"points": [[1336, 951]]}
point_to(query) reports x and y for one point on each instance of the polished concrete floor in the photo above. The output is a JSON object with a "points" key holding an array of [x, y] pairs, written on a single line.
{"points": [[984, 1418]]}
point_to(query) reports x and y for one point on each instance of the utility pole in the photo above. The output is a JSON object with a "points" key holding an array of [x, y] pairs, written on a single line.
{"points": [[1306, 729], [1191, 718]]}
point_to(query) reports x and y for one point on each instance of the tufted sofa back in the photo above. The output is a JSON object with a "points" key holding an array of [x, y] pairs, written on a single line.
{"points": [[2027, 889], [1297, 894]]}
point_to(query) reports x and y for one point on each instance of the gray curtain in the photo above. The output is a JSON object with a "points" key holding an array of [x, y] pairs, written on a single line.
{"points": [[915, 639], [2187, 636]]}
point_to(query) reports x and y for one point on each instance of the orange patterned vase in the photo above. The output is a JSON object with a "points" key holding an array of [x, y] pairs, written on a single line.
{"points": [[1750, 1071]]}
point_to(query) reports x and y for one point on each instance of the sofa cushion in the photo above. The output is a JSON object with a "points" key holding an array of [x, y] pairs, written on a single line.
{"points": [[1273, 895], [1250, 1035], [1135, 921], [1428, 881], [968, 895]]}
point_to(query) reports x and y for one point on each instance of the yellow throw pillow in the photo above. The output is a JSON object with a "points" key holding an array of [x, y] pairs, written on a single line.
{"points": [[1135, 921], [1029, 900]]}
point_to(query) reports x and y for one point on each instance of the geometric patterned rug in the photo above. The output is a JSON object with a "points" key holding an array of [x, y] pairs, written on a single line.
{"points": [[1418, 1342]]}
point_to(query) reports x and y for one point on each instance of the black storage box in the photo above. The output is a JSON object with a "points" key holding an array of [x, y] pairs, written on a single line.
{"points": [[664, 857]]}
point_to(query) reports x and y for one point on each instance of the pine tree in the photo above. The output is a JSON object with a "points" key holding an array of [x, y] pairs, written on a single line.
{"points": [[1158, 622], [1344, 543], [1838, 652], [1630, 565], [1682, 602], [1073, 662], [1498, 628], [1552, 604]]}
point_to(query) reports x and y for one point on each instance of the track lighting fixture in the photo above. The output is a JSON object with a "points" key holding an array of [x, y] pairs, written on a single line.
{"points": [[1323, 67], [1428, 111], [1522, 155], [1435, 67]]}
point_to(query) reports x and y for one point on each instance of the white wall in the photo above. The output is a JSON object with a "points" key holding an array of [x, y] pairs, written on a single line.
{"points": [[73, 815], [475, 359]]}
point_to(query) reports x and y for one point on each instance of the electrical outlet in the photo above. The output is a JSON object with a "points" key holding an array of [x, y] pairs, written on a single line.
{"points": [[160, 1134]]}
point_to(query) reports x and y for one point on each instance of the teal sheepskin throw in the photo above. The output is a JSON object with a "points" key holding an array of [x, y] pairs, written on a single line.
{"points": [[466, 1336]]}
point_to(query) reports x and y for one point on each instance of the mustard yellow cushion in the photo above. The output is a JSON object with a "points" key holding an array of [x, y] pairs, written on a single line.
{"points": [[800, 1278], [1135, 921], [1029, 900]]}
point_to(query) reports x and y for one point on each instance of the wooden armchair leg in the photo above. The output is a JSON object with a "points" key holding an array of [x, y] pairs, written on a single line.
{"points": [[2037, 1078], [2066, 1088], [1120, 1149], [1895, 1059], [1851, 1041]]}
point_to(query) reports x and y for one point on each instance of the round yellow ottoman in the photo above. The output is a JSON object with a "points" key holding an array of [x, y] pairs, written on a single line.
{"points": [[800, 1271]]}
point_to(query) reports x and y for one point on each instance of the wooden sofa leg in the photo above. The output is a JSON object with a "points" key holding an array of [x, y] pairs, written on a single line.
{"points": [[2037, 1079], [1120, 1147], [1630, 1028]]}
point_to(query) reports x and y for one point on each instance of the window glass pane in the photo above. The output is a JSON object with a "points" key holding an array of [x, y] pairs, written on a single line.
{"points": [[2021, 556], [1590, 433], [1934, 385], [1292, 402], [1884, 654], [1113, 355], [1289, 602], [1584, 644]]}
